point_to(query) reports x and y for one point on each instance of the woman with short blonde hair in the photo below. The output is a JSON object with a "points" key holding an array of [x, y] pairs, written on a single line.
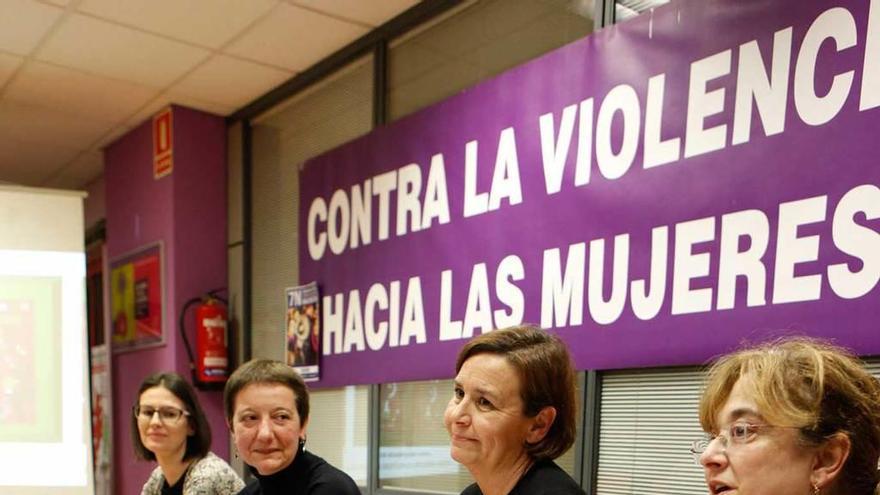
{"points": [[792, 416]]}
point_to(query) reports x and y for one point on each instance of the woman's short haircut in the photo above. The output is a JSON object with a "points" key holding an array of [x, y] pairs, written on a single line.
{"points": [[266, 371], [546, 376], [810, 384], [199, 443]]}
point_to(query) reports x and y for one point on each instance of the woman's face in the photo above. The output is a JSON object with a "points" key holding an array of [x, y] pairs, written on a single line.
{"points": [[771, 461], [163, 437], [485, 417], [266, 426]]}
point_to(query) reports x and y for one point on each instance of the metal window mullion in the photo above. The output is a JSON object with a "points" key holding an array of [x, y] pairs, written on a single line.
{"points": [[603, 12], [590, 435], [247, 238], [578, 473], [373, 415], [380, 83]]}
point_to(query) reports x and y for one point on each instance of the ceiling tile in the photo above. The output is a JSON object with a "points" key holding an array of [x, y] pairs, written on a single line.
{"points": [[177, 98], [111, 50], [373, 13], [28, 164], [8, 64], [204, 22], [78, 173], [42, 124], [201, 104], [414, 61], [230, 81], [295, 38], [23, 23], [110, 136], [87, 95], [150, 109]]}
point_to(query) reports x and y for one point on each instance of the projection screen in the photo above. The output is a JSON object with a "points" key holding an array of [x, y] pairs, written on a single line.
{"points": [[45, 438]]}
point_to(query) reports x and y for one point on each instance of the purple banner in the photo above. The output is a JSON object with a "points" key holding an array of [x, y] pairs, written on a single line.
{"points": [[656, 194]]}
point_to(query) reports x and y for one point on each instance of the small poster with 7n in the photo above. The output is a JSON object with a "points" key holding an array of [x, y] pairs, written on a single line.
{"points": [[303, 330]]}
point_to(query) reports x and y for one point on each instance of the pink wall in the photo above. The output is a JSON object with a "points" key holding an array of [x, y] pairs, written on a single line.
{"points": [[94, 205], [186, 211]]}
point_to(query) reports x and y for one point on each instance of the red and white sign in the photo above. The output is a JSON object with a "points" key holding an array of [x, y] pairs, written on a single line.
{"points": [[163, 146]]}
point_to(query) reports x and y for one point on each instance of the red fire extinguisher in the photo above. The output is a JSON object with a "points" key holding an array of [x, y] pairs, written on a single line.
{"points": [[210, 362]]}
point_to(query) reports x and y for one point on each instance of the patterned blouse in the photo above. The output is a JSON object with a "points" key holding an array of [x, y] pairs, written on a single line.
{"points": [[209, 475]]}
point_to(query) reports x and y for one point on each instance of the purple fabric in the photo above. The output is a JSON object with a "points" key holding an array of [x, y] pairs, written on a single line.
{"points": [[801, 162]]}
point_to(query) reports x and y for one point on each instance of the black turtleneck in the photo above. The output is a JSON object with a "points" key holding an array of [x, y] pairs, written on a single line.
{"points": [[544, 477], [308, 474]]}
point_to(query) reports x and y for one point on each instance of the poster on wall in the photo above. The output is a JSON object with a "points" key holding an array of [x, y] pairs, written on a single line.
{"points": [[656, 194], [101, 420], [97, 276], [303, 330], [136, 299]]}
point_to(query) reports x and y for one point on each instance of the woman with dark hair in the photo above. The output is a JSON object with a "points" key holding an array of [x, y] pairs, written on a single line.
{"points": [[168, 426], [267, 409], [512, 412]]}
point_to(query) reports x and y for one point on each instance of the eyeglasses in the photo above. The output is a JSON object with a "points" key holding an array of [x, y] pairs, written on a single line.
{"points": [[167, 415], [735, 434]]}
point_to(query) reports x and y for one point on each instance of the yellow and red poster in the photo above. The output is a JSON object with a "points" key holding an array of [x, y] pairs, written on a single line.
{"points": [[136, 299]]}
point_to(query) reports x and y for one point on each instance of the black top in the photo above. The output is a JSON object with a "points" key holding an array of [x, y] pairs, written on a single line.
{"points": [[308, 474], [543, 478], [177, 489]]}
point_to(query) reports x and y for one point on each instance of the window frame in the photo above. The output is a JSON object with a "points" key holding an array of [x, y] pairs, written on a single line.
{"points": [[240, 242]]}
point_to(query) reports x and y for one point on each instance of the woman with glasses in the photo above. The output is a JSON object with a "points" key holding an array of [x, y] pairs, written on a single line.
{"points": [[169, 426], [267, 409], [792, 417], [512, 412]]}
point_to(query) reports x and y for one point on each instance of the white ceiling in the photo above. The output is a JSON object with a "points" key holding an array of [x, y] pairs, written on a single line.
{"points": [[75, 75]]}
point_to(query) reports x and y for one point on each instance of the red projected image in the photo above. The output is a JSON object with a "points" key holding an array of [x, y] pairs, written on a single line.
{"points": [[30, 359], [17, 367]]}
